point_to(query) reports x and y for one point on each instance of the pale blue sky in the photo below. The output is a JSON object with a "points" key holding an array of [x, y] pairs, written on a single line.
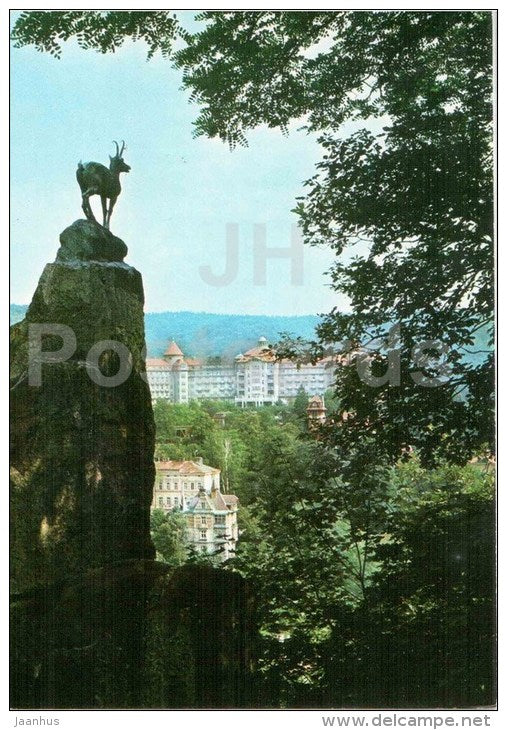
{"points": [[178, 198]]}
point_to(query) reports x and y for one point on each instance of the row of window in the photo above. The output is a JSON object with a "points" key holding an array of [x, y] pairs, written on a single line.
{"points": [[175, 502], [214, 390], [229, 377], [285, 390], [203, 534], [169, 481]]}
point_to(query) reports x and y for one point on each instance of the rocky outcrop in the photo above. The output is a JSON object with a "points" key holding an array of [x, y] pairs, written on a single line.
{"points": [[82, 465], [95, 621], [135, 635]]}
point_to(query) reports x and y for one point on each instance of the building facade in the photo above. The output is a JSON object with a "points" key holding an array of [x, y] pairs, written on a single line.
{"points": [[194, 489], [255, 378]]}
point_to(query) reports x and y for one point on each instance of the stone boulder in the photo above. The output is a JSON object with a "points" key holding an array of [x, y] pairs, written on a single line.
{"points": [[135, 634], [87, 240]]}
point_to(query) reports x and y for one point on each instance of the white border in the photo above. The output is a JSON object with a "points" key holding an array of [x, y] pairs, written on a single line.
{"points": [[217, 720]]}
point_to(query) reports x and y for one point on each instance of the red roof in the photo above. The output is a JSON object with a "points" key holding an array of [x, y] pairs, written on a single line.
{"points": [[230, 498], [259, 353], [316, 400], [180, 365], [173, 349], [186, 467], [156, 363], [219, 501]]}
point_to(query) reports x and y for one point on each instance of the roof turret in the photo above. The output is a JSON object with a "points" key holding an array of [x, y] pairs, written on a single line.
{"points": [[173, 350]]}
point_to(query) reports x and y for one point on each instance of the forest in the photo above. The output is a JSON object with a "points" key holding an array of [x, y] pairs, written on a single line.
{"points": [[202, 334], [373, 582]]}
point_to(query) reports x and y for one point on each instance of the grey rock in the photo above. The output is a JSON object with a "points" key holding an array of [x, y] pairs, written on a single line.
{"points": [[136, 634], [86, 240], [95, 621], [81, 453]]}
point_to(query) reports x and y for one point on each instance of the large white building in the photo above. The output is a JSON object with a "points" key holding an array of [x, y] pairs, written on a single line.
{"points": [[256, 377], [194, 488]]}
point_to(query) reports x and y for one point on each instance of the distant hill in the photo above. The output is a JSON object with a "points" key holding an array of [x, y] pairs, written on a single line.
{"points": [[202, 334], [17, 312]]}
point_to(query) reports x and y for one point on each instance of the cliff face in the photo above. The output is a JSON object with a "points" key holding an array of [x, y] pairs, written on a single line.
{"points": [[82, 452]]}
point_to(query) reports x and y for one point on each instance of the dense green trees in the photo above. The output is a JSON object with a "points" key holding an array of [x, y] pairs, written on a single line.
{"points": [[190, 431], [373, 582], [397, 613], [407, 194], [168, 534], [425, 634]]}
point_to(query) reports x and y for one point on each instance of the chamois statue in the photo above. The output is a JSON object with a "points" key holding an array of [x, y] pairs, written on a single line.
{"points": [[96, 179]]}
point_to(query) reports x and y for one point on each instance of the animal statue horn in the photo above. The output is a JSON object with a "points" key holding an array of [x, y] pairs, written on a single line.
{"points": [[97, 179]]}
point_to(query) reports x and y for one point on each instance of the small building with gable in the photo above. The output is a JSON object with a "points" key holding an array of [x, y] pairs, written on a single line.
{"points": [[316, 411], [193, 488]]}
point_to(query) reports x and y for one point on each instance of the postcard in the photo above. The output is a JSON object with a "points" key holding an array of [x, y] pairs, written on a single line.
{"points": [[252, 372]]}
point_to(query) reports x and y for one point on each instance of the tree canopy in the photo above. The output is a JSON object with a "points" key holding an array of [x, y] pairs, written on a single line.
{"points": [[358, 567], [101, 30]]}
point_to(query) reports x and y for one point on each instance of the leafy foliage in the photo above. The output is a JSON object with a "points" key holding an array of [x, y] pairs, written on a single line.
{"points": [[425, 634], [405, 199], [190, 431], [374, 582], [409, 193], [104, 31], [168, 535]]}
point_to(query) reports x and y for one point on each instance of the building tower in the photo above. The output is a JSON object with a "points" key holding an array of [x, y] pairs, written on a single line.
{"points": [[316, 411], [172, 352]]}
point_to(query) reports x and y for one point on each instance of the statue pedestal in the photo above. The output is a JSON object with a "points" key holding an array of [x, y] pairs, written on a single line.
{"points": [[86, 240], [82, 468]]}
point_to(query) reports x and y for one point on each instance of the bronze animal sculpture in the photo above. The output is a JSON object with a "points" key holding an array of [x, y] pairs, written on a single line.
{"points": [[97, 179]]}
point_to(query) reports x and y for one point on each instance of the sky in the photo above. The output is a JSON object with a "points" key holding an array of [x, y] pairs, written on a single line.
{"points": [[180, 196]]}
